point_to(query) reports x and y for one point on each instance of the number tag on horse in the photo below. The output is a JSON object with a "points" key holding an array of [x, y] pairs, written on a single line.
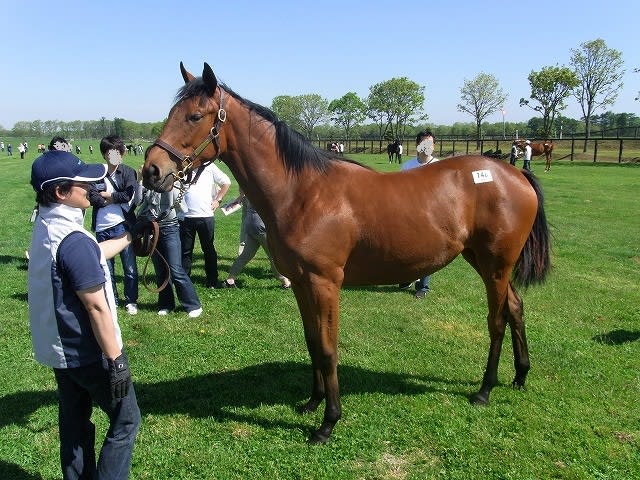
{"points": [[482, 176]]}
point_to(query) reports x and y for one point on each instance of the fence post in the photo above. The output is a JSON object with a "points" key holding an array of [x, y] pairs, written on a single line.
{"points": [[595, 150], [573, 144], [620, 151]]}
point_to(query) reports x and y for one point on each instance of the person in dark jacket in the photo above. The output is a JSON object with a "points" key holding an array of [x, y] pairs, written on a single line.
{"points": [[113, 214]]}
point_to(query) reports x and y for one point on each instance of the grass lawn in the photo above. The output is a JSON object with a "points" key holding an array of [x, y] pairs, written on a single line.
{"points": [[219, 394]]}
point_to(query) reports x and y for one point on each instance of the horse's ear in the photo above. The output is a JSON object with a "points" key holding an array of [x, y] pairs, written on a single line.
{"points": [[209, 78], [186, 75]]}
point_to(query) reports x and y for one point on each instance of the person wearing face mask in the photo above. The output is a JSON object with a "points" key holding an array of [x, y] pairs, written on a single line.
{"points": [[424, 150], [113, 214]]}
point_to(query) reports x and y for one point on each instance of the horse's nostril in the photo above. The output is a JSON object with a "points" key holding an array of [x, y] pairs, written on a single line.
{"points": [[152, 171]]}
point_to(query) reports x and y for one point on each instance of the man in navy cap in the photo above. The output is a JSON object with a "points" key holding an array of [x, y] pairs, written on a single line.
{"points": [[73, 318]]}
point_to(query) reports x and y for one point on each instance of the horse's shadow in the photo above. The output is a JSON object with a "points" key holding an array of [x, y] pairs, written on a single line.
{"points": [[223, 395], [617, 337]]}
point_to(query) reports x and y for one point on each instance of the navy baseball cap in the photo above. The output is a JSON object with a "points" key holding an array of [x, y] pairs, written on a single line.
{"points": [[57, 166]]}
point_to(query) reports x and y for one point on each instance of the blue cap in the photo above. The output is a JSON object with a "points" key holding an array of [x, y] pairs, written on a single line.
{"points": [[57, 166]]}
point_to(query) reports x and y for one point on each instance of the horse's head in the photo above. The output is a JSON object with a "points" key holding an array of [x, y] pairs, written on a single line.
{"points": [[191, 134]]}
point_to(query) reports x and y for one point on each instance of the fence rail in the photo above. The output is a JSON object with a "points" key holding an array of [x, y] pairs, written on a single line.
{"points": [[613, 149]]}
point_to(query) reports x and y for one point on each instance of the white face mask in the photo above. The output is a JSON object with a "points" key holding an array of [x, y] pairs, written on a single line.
{"points": [[425, 146], [114, 157]]}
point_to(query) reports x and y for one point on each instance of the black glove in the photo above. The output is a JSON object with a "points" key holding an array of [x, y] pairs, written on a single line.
{"points": [[119, 377]]}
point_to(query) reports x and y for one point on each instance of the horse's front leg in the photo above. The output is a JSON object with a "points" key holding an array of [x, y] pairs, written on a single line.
{"points": [[319, 307]]}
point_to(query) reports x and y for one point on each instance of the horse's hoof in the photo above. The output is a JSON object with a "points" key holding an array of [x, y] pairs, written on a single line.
{"points": [[317, 439], [479, 399], [517, 384], [309, 407], [321, 436]]}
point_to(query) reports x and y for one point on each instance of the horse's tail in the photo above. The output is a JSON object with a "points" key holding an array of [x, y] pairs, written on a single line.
{"points": [[534, 262]]}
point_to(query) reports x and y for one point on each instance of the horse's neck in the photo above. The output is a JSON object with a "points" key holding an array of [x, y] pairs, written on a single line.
{"points": [[251, 155]]}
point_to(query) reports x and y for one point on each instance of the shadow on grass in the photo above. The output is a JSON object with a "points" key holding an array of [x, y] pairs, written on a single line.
{"points": [[11, 471], [9, 259], [617, 337], [220, 394]]}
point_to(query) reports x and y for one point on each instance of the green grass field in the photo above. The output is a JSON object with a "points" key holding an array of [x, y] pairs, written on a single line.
{"points": [[219, 393]]}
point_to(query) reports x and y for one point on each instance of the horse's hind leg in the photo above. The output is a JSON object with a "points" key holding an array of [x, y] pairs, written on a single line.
{"points": [[514, 313], [319, 307], [496, 284]]}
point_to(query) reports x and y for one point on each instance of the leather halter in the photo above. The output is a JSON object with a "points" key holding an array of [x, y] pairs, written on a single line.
{"points": [[186, 161], [145, 244]]}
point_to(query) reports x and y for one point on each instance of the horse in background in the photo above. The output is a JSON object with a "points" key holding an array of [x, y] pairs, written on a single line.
{"points": [[540, 148], [333, 222], [393, 151]]}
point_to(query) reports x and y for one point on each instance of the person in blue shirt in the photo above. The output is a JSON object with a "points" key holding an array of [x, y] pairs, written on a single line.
{"points": [[73, 320], [424, 150]]}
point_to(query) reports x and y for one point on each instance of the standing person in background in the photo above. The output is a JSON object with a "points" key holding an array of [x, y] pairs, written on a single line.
{"points": [[255, 235], [74, 322], [424, 150], [513, 156], [162, 208], [527, 155], [113, 214], [22, 150], [399, 152], [202, 199]]}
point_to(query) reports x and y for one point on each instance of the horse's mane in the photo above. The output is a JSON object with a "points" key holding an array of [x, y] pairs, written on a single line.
{"points": [[296, 151]]}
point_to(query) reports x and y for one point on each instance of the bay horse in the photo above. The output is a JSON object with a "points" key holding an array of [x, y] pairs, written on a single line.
{"points": [[540, 148], [333, 222]]}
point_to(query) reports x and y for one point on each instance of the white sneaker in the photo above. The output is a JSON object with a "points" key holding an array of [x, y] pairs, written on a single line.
{"points": [[163, 313], [195, 313], [132, 308]]}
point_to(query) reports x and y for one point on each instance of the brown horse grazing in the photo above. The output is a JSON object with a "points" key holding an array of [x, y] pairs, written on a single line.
{"points": [[334, 222], [537, 149]]}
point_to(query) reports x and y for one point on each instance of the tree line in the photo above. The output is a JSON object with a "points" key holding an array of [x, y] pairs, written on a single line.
{"points": [[395, 108]]}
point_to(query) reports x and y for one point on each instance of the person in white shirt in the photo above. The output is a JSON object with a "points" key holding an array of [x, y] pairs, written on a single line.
{"points": [[527, 156], [202, 199]]}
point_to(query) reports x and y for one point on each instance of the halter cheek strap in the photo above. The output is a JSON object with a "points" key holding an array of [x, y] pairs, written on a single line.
{"points": [[186, 161]]}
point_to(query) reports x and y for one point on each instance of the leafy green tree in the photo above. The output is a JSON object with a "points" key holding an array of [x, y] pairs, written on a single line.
{"points": [[599, 71], [480, 98], [392, 103], [302, 112], [550, 87], [348, 112], [314, 110], [288, 109]]}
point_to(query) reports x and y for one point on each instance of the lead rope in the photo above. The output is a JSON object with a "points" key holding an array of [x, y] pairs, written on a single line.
{"points": [[146, 245], [150, 243]]}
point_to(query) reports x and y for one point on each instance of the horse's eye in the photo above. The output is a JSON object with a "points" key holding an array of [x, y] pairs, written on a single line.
{"points": [[196, 117]]}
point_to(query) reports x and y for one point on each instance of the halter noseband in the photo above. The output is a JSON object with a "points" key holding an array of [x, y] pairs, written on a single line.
{"points": [[186, 161]]}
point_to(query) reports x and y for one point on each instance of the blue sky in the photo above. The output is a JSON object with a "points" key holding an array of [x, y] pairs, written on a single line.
{"points": [[82, 60]]}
